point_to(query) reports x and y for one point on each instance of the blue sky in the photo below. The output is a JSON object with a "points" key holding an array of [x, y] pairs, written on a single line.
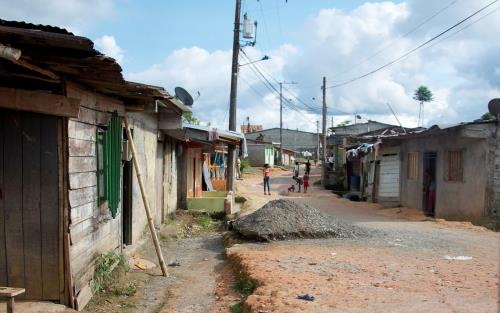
{"points": [[188, 43], [148, 32]]}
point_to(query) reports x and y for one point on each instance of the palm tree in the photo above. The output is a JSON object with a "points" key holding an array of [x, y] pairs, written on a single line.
{"points": [[422, 95]]}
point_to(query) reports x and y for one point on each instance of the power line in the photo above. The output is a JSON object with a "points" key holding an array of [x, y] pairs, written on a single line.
{"points": [[390, 43], [414, 49]]}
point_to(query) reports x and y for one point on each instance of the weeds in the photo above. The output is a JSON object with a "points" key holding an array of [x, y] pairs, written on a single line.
{"points": [[106, 263], [237, 307], [244, 286]]}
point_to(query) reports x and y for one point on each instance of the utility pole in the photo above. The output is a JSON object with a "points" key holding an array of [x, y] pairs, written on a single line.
{"points": [[233, 97], [281, 118], [324, 168], [281, 125], [317, 148]]}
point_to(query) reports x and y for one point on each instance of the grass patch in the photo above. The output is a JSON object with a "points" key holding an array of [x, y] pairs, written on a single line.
{"points": [[106, 264], [244, 286], [237, 307], [127, 289], [205, 222]]}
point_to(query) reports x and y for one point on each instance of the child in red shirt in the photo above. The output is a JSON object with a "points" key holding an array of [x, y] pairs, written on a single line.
{"points": [[306, 182], [266, 172]]}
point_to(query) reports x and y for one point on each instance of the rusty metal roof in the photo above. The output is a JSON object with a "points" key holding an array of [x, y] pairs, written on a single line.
{"points": [[73, 58]]}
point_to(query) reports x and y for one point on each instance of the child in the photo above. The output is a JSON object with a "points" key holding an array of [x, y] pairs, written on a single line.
{"points": [[306, 182], [266, 173]]}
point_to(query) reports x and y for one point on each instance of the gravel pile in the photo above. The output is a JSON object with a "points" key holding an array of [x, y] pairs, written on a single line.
{"points": [[285, 219]]}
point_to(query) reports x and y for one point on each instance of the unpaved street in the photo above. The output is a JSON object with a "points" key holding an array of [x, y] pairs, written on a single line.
{"points": [[415, 265]]}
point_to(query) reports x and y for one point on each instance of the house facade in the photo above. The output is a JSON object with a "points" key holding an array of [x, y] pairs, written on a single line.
{"points": [[261, 152], [295, 140], [68, 191], [453, 173]]}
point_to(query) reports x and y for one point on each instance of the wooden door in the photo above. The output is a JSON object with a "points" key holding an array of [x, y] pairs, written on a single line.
{"points": [[30, 237], [194, 175]]}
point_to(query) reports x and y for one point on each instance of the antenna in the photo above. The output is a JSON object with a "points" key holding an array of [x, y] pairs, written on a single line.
{"points": [[183, 96], [494, 107], [392, 111]]}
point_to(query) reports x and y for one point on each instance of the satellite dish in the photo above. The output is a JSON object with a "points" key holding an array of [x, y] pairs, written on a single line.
{"points": [[183, 96], [494, 106]]}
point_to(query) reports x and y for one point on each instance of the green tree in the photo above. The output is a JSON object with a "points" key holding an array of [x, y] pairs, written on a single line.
{"points": [[189, 118], [422, 95], [344, 123], [487, 116]]}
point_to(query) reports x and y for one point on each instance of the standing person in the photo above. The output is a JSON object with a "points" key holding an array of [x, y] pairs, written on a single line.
{"points": [[266, 173], [296, 170], [238, 168], [306, 182], [308, 168]]}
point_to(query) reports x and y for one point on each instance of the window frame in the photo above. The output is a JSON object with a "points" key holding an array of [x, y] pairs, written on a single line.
{"points": [[459, 166], [412, 165]]}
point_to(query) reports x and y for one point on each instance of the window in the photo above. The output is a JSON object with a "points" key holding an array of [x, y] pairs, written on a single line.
{"points": [[455, 166], [108, 146], [413, 165]]}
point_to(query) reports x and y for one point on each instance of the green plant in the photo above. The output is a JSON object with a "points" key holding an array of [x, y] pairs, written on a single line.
{"points": [[244, 286], [106, 263], [127, 289], [237, 307], [204, 221], [244, 164]]}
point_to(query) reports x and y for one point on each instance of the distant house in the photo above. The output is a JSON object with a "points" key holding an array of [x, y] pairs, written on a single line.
{"points": [[67, 187], [261, 152], [295, 140], [249, 128], [202, 185], [453, 172], [359, 128]]}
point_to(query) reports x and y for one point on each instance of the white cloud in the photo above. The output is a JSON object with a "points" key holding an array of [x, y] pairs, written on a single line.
{"points": [[462, 71], [107, 45], [71, 14]]}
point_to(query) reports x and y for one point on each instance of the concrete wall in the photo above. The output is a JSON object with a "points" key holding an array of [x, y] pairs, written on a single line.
{"points": [[256, 154], [454, 200], [144, 127], [292, 139], [492, 212], [170, 176]]}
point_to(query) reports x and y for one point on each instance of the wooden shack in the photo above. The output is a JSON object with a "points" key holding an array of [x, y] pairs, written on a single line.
{"points": [[67, 189]]}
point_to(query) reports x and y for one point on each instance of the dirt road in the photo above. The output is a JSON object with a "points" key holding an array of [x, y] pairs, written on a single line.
{"points": [[415, 265]]}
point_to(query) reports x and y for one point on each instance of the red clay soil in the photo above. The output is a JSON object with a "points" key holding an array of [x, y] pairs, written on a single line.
{"points": [[403, 268]]}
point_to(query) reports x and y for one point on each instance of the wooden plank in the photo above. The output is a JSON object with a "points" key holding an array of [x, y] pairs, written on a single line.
{"points": [[31, 206], [39, 102], [83, 297], [77, 147], [94, 117], [82, 213], [10, 292], [82, 180], [81, 164], [13, 193], [50, 208], [94, 100], [82, 196], [78, 130], [45, 39], [3, 265]]}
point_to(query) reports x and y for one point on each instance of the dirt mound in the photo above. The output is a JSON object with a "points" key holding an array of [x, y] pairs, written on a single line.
{"points": [[285, 219]]}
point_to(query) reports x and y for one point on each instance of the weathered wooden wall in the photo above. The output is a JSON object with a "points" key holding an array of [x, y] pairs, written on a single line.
{"points": [[170, 176], [92, 231]]}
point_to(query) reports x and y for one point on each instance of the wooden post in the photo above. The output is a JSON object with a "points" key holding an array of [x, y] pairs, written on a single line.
{"points": [[10, 305], [145, 199]]}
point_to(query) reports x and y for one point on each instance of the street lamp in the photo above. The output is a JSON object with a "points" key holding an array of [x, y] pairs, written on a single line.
{"points": [[264, 58]]}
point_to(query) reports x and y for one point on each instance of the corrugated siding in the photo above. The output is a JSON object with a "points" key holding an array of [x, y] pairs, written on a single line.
{"points": [[389, 176]]}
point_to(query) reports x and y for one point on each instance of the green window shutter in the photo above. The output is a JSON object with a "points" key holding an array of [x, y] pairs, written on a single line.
{"points": [[109, 144]]}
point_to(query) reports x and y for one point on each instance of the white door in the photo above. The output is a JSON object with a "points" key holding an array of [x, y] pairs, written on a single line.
{"points": [[389, 176]]}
